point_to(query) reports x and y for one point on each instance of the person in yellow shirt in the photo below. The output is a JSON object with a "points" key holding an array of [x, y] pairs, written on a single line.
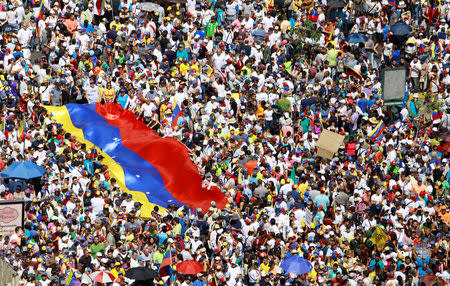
{"points": [[108, 93], [302, 188], [220, 133], [265, 265], [194, 66], [117, 268], [184, 67], [313, 274], [116, 23], [235, 94]]}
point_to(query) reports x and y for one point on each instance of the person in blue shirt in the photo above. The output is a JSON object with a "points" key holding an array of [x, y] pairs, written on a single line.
{"points": [[182, 53], [200, 33], [322, 200], [200, 281], [422, 262], [122, 97], [89, 167], [414, 107], [248, 193], [87, 28], [220, 15], [162, 236], [395, 55], [363, 103], [184, 118]]}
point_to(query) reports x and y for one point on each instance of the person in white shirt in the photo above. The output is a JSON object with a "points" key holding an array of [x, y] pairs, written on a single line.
{"points": [[128, 203], [268, 117], [414, 73], [24, 36], [40, 155], [196, 244], [219, 59], [92, 92], [97, 203]]}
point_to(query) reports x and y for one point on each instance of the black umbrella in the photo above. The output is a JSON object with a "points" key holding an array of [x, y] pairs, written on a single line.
{"points": [[400, 29], [141, 273], [336, 4]]}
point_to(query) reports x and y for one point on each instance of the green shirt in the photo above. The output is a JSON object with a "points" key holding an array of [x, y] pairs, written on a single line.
{"points": [[96, 248], [305, 123], [332, 55], [285, 104], [158, 256], [445, 184], [211, 28]]}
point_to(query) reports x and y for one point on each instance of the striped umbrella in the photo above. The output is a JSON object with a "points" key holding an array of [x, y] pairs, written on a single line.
{"points": [[102, 276]]}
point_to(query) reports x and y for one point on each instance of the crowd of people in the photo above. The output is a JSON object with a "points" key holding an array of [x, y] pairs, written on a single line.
{"points": [[255, 84]]}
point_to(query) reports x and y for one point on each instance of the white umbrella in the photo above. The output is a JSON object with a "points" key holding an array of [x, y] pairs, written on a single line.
{"points": [[148, 6], [102, 276]]}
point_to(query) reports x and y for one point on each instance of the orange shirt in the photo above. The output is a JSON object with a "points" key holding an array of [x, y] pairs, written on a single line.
{"points": [[251, 166], [446, 217]]}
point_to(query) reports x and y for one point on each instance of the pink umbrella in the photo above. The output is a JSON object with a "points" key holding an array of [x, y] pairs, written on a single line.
{"points": [[102, 276]]}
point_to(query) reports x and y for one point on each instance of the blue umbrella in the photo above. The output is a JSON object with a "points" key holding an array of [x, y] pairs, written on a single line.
{"points": [[296, 264], [23, 170], [357, 38], [400, 29]]}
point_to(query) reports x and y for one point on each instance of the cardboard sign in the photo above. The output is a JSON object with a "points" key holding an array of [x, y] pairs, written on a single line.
{"points": [[11, 216], [308, 217], [328, 144]]}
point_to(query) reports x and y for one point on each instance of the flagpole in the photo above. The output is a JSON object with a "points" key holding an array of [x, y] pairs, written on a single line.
{"points": [[4, 128], [172, 276], [23, 139]]}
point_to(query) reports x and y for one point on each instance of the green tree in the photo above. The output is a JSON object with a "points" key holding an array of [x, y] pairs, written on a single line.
{"points": [[302, 34]]}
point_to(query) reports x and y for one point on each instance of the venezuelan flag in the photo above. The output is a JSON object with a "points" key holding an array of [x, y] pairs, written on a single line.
{"points": [[22, 129], [41, 11], [436, 114], [165, 268], [175, 115], [351, 71], [377, 131], [154, 170], [313, 15]]}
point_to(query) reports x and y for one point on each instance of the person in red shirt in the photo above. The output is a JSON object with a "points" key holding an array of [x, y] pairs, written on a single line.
{"points": [[337, 281]]}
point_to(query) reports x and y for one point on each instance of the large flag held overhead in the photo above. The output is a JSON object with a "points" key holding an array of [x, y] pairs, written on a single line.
{"points": [[154, 170]]}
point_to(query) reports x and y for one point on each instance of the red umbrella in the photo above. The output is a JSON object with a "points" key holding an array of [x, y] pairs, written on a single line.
{"points": [[189, 267], [446, 146]]}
